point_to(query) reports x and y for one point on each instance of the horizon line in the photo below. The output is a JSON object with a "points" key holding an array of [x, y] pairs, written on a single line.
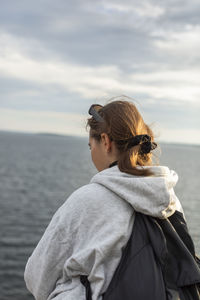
{"points": [[85, 136]]}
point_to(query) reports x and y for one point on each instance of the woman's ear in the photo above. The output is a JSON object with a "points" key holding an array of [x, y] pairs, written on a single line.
{"points": [[106, 141]]}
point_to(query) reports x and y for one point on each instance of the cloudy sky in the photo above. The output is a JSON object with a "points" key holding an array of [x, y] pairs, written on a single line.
{"points": [[59, 57]]}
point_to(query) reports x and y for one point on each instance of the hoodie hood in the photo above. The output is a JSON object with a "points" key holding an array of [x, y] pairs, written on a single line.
{"points": [[152, 195]]}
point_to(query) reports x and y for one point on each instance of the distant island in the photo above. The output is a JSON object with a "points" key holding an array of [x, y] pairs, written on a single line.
{"points": [[50, 134], [59, 135], [161, 142]]}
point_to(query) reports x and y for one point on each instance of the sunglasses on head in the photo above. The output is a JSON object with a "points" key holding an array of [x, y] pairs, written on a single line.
{"points": [[93, 111]]}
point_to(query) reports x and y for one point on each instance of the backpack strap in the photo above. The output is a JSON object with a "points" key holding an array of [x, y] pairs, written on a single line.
{"points": [[84, 280]]}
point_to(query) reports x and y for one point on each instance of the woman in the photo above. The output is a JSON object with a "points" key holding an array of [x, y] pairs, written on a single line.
{"points": [[88, 232]]}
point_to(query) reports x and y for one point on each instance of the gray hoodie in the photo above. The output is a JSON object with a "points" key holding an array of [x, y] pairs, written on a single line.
{"points": [[88, 232]]}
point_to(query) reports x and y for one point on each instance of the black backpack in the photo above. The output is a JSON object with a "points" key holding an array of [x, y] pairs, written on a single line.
{"points": [[158, 258]]}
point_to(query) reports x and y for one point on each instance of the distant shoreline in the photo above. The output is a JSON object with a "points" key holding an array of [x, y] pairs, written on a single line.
{"points": [[85, 137]]}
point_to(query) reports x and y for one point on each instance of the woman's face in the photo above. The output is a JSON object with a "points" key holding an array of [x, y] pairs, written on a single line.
{"points": [[97, 154], [103, 152]]}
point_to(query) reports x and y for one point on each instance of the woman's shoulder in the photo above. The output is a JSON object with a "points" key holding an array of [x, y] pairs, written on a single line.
{"points": [[78, 203], [87, 195], [87, 191], [95, 197], [82, 196]]}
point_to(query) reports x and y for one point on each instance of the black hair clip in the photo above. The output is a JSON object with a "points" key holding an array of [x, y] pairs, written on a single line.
{"points": [[93, 111]]}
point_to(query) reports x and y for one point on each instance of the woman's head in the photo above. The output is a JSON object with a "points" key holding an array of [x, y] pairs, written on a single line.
{"points": [[112, 137]]}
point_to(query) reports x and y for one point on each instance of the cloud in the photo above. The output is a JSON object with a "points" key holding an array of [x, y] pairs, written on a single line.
{"points": [[83, 80], [142, 8], [93, 81], [183, 44], [65, 57]]}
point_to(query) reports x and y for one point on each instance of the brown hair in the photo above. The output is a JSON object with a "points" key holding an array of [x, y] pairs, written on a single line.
{"points": [[122, 122]]}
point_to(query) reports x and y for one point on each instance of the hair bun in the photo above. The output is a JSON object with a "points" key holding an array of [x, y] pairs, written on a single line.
{"points": [[145, 141]]}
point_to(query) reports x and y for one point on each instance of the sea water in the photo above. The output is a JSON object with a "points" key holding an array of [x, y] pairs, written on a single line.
{"points": [[37, 174]]}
